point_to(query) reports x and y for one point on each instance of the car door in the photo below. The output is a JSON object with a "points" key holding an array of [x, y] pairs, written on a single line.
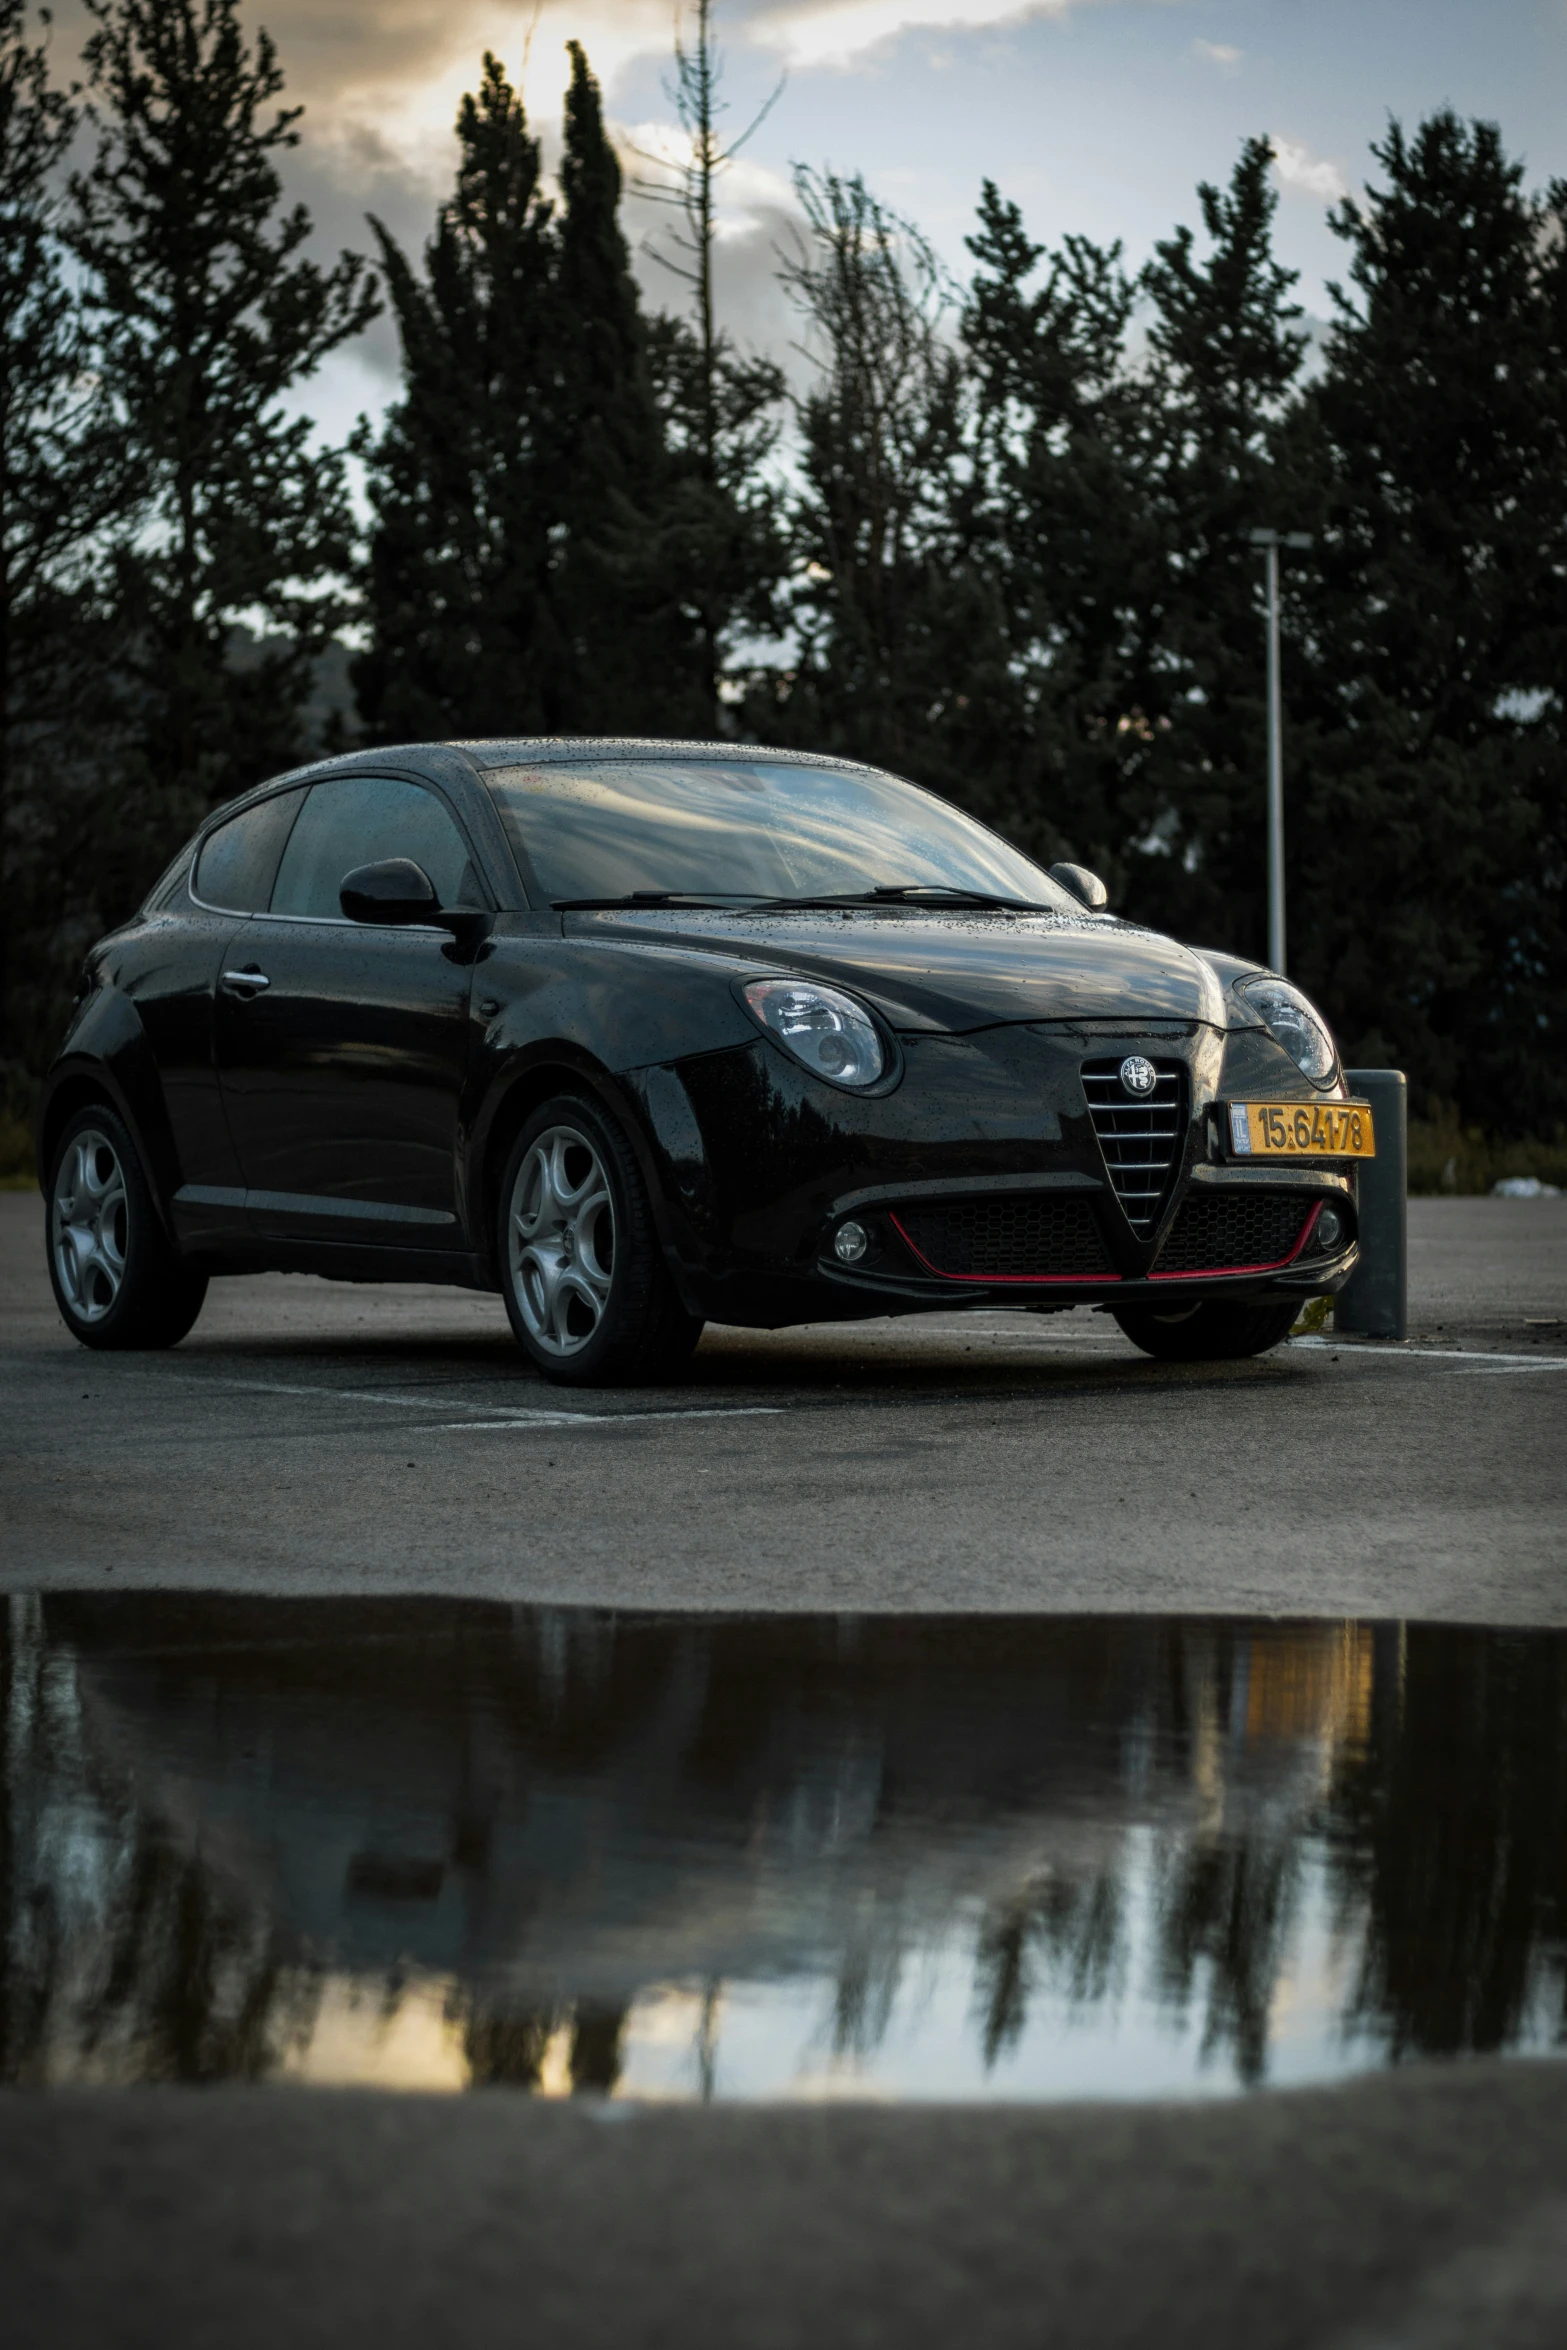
{"points": [[176, 993], [342, 1045]]}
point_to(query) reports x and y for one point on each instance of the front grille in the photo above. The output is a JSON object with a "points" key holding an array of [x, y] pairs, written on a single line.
{"points": [[1032, 1239], [1217, 1229], [1140, 1139]]}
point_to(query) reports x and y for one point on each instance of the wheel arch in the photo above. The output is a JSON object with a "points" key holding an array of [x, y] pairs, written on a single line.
{"points": [[84, 1085], [553, 1069]]}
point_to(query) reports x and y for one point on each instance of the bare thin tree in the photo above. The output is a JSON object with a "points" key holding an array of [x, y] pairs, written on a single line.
{"points": [[690, 187]]}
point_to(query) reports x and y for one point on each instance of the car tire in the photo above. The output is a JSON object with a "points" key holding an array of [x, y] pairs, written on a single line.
{"points": [[1218, 1332], [117, 1278], [589, 1296]]}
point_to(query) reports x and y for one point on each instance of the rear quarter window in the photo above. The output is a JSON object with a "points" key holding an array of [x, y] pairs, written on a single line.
{"points": [[169, 887], [238, 862]]}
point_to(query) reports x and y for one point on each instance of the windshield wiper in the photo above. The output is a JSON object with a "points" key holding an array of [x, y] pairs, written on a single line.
{"points": [[633, 898], [947, 894], [899, 893], [905, 893]]}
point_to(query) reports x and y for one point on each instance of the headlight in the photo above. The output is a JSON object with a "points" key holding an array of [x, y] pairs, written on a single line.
{"points": [[1293, 1019], [827, 1033]]}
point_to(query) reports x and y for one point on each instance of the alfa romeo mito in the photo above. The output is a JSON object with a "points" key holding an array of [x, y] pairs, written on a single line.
{"points": [[645, 1035]]}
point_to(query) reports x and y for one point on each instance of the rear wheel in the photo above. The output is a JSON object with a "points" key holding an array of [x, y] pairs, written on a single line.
{"points": [[117, 1280], [1220, 1331], [590, 1298]]}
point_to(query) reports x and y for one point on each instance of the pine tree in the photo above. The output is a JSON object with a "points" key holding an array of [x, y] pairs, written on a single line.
{"points": [[1432, 869], [1227, 353], [724, 528], [208, 314], [61, 482], [465, 480], [1059, 524]]}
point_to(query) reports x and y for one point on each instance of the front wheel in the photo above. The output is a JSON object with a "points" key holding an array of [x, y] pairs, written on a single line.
{"points": [[117, 1280], [1220, 1331], [587, 1291]]}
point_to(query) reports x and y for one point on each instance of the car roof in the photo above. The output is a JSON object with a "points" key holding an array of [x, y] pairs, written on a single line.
{"points": [[487, 754], [534, 750]]}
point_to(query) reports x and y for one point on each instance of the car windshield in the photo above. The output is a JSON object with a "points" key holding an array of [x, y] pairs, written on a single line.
{"points": [[747, 828]]}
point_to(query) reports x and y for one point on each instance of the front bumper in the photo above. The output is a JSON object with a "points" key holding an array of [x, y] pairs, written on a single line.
{"points": [[761, 1165], [1299, 1263]]}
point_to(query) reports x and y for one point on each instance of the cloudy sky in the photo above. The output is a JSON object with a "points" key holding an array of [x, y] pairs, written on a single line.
{"points": [[1096, 115]]}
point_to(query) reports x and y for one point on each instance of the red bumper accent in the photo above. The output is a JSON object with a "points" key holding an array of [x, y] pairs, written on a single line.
{"points": [[1097, 1280], [1218, 1272], [1002, 1280]]}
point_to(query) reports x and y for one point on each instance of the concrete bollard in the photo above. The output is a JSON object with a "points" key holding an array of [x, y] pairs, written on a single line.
{"points": [[1374, 1301]]}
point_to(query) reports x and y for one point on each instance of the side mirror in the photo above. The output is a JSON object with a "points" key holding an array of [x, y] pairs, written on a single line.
{"points": [[394, 891], [1085, 886]]}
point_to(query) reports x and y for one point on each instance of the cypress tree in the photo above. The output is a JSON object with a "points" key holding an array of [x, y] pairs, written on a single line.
{"points": [[461, 583], [628, 605], [528, 570], [208, 313]]}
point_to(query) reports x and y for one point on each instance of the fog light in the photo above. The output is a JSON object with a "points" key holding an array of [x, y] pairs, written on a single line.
{"points": [[1330, 1228], [849, 1243]]}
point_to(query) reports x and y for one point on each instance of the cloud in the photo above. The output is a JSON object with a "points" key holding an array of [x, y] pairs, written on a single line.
{"points": [[652, 155], [1314, 175], [1219, 53], [837, 32], [381, 80]]}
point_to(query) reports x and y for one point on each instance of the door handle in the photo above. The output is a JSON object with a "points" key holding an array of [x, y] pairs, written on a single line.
{"points": [[244, 983]]}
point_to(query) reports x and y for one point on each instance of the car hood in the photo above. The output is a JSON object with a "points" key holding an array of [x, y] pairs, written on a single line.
{"points": [[952, 970]]}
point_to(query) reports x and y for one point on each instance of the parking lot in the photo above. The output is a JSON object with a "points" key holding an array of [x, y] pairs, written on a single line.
{"points": [[314, 1436], [330, 1818]]}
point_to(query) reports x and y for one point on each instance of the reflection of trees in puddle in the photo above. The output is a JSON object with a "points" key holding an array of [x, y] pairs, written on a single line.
{"points": [[1449, 1835], [512, 2049], [242, 1840], [126, 1958], [1067, 1928]]}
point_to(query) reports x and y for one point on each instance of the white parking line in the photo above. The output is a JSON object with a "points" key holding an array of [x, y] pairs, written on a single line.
{"points": [[745, 1411], [499, 1416], [1395, 1351], [407, 1403]]}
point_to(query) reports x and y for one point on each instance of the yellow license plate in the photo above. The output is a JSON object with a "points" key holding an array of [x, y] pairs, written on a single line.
{"points": [[1302, 1130]]}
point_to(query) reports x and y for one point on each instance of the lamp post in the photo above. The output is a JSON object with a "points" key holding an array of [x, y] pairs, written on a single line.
{"points": [[1270, 542]]}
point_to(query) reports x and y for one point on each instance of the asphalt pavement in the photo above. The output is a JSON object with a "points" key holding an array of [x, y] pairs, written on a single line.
{"points": [[316, 1438], [311, 1435], [1425, 2211]]}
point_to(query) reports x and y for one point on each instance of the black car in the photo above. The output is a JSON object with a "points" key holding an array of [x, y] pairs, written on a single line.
{"points": [[649, 1034]]}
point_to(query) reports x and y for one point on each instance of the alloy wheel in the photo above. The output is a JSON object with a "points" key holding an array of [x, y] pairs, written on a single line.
{"points": [[90, 1216], [560, 1232]]}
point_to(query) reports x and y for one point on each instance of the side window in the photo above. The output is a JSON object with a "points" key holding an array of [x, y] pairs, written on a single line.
{"points": [[239, 861], [352, 820]]}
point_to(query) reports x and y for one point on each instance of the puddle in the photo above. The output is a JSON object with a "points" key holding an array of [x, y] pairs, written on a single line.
{"points": [[447, 1845]]}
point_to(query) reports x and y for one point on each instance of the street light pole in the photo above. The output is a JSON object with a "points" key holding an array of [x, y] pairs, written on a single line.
{"points": [[1270, 542]]}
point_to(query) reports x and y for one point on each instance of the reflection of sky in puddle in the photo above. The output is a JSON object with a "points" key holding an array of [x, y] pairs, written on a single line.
{"points": [[433, 1846], [776, 2040]]}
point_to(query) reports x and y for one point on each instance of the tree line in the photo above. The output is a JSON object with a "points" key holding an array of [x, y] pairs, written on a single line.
{"points": [[999, 539]]}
